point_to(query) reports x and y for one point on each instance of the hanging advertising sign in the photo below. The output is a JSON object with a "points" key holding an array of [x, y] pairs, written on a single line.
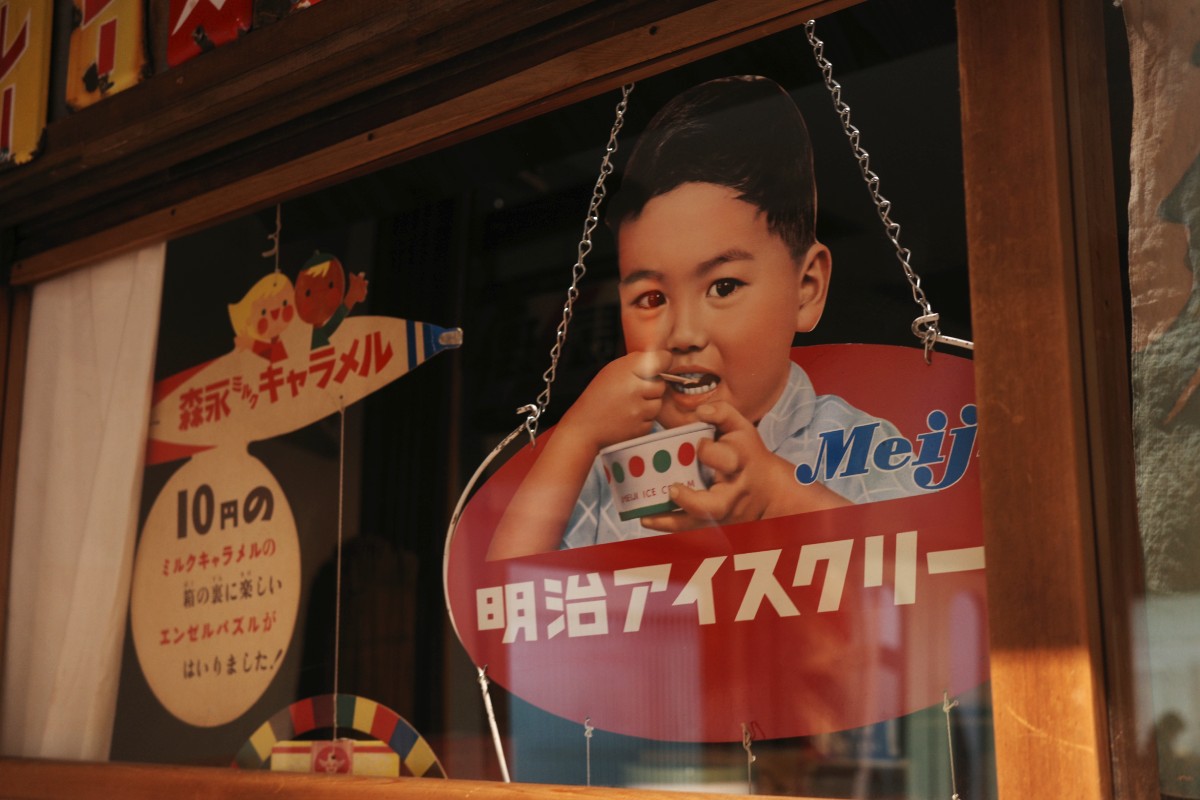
{"points": [[25, 33], [725, 535], [197, 26], [797, 624], [107, 51], [217, 575], [246, 395]]}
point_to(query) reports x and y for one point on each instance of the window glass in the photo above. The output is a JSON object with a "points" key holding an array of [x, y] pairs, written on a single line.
{"points": [[1153, 97], [361, 485]]}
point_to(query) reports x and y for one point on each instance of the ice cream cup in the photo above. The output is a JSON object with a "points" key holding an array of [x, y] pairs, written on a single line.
{"points": [[641, 471]]}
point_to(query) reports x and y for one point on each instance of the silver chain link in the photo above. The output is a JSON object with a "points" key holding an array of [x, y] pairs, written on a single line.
{"points": [[924, 327], [535, 411]]}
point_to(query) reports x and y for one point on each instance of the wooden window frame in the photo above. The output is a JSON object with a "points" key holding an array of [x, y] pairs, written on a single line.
{"points": [[374, 82]]}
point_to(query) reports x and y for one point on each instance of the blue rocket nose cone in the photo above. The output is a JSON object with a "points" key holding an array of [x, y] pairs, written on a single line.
{"points": [[438, 338]]}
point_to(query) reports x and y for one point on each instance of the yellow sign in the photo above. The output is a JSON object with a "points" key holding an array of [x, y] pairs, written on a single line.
{"points": [[25, 27], [107, 50]]}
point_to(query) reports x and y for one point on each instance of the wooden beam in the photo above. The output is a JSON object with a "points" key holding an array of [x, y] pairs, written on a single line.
{"points": [[1051, 383], [1105, 351], [604, 56], [270, 78]]}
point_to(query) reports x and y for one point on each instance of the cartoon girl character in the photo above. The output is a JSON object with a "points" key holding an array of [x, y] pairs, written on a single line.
{"points": [[319, 295], [262, 315]]}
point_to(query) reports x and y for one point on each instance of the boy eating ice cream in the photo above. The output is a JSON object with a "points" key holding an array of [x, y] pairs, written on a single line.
{"points": [[719, 268]]}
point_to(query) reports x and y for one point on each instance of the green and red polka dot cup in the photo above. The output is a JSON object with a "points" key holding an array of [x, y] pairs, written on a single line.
{"points": [[641, 471]]}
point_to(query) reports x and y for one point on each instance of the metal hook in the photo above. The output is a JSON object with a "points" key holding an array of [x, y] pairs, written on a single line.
{"points": [[948, 704], [925, 328], [747, 741], [274, 237], [491, 715], [587, 735], [533, 413]]}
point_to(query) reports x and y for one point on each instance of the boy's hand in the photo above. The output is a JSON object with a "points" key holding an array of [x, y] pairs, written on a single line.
{"points": [[620, 403], [749, 481]]}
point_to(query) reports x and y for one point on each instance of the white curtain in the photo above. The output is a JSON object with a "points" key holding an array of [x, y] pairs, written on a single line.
{"points": [[83, 436]]}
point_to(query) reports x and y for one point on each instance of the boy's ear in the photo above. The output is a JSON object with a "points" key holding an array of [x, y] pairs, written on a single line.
{"points": [[815, 271]]}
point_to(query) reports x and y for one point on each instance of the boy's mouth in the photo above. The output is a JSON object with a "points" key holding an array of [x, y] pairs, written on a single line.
{"points": [[697, 383]]}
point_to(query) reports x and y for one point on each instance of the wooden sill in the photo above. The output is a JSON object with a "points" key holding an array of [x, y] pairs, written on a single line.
{"points": [[25, 779]]}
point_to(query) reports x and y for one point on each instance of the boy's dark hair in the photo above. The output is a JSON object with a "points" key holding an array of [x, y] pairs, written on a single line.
{"points": [[744, 132]]}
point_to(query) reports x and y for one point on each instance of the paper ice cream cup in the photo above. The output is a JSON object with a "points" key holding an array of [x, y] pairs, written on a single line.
{"points": [[640, 472]]}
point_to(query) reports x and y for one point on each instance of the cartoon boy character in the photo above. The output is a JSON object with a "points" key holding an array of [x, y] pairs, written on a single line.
{"points": [[719, 269], [319, 301], [262, 315]]}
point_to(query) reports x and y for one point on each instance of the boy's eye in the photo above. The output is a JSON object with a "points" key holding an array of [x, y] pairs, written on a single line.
{"points": [[725, 287], [650, 299]]}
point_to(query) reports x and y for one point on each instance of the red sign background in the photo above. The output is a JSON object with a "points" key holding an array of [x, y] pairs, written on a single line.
{"points": [[217, 23], [794, 625]]}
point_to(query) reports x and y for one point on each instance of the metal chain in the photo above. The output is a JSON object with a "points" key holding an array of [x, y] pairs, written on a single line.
{"points": [[534, 411], [924, 327], [579, 269]]}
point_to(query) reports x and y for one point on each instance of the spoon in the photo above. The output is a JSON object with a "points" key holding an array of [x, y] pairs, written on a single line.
{"points": [[667, 376]]}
